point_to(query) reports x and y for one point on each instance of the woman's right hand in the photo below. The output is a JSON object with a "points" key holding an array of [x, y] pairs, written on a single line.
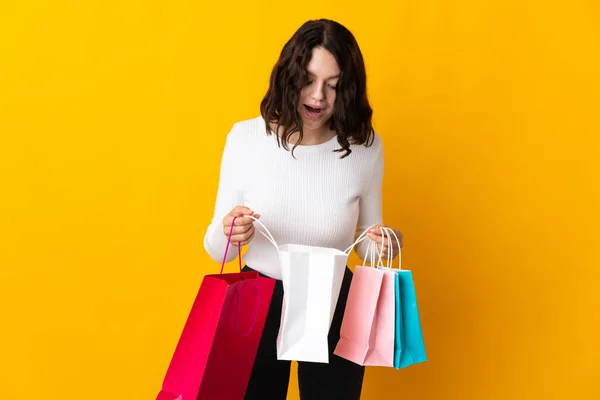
{"points": [[243, 231]]}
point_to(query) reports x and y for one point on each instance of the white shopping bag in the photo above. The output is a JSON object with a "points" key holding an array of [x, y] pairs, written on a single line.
{"points": [[312, 278]]}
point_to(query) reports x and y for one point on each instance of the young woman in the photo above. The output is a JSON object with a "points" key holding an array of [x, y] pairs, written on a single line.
{"points": [[311, 168]]}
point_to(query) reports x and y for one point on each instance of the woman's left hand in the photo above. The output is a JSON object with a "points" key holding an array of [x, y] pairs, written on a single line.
{"points": [[383, 241]]}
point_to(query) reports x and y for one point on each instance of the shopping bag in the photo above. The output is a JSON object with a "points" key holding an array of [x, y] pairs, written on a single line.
{"points": [[312, 278], [409, 346], [367, 333], [215, 353]]}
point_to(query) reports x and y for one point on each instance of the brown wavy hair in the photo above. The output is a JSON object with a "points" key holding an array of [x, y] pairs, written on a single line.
{"points": [[352, 114]]}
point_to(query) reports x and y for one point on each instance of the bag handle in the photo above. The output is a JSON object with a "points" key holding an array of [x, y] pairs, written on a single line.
{"points": [[267, 234], [270, 238], [390, 254], [371, 249], [359, 239], [389, 251], [388, 233], [227, 248]]}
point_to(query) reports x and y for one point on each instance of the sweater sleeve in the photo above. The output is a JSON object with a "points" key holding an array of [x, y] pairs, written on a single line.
{"points": [[229, 195], [370, 206]]}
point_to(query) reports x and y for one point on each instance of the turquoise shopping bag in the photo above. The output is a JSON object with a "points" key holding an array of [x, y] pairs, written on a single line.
{"points": [[409, 347]]}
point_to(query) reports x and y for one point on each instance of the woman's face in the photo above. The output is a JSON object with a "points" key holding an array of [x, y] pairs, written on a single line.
{"points": [[317, 98]]}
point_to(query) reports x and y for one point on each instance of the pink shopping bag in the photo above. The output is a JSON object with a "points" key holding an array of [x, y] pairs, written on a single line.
{"points": [[215, 353], [368, 328]]}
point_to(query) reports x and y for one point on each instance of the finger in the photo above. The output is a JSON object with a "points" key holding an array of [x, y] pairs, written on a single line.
{"points": [[376, 231], [384, 249], [392, 235], [237, 230], [237, 219], [244, 221], [241, 210], [239, 215], [242, 237], [399, 236], [228, 220], [378, 234], [385, 243], [380, 241], [375, 237], [243, 240], [377, 228], [233, 220], [384, 253]]}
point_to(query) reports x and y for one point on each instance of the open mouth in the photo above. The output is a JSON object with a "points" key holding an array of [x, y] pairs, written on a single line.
{"points": [[313, 111]]}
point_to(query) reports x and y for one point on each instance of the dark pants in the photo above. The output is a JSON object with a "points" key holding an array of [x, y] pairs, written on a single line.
{"points": [[339, 379]]}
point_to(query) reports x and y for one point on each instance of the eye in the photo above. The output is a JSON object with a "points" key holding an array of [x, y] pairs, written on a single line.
{"points": [[333, 86]]}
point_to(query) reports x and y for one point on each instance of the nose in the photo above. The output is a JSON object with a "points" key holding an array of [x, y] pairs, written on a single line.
{"points": [[318, 92]]}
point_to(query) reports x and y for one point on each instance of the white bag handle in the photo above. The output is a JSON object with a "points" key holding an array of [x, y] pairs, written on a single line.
{"points": [[371, 249], [267, 234], [387, 237], [390, 254], [374, 248], [360, 238], [386, 231], [270, 238]]}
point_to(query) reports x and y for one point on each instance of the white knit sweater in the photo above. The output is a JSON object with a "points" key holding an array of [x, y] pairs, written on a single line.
{"points": [[315, 199]]}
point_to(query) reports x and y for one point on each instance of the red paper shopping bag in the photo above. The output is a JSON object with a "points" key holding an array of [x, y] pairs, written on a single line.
{"points": [[215, 353]]}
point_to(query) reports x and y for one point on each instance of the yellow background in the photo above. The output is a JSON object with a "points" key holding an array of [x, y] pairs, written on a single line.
{"points": [[113, 115]]}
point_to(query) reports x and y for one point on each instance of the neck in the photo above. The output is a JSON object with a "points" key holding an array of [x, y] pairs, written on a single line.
{"points": [[316, 136], [310, 137]]}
